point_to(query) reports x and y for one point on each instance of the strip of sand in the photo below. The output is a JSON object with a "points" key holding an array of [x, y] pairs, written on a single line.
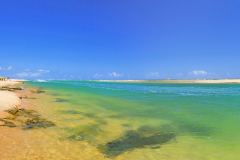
{"points": [[215, 81]]}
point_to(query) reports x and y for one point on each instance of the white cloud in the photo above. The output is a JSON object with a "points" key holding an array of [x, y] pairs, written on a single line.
{"points": [[97, 75], [199, 72], [154, 74], [32, 74], [115, 75], [28, 74], [23, 74], [43, 71], [8, 68]]}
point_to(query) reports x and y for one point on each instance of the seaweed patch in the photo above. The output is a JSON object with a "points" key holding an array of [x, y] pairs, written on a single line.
{"points": [[12, 89], [28, 119], [133, 139]]}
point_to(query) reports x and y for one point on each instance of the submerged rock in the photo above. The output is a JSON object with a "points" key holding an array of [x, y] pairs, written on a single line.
{"points": [[134, 139], [22, 112], [37, 123]]}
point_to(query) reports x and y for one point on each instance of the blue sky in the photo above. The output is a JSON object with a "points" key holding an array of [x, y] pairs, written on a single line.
{"points": [[127, 39]]}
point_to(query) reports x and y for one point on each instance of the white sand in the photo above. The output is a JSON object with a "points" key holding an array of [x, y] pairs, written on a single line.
{"points": [[9, 83], [8, 99]]}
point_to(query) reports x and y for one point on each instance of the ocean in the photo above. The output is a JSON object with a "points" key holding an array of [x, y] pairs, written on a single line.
{"points": [[141, 121]]}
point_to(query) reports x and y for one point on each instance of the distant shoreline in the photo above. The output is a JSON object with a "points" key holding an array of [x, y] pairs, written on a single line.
{"points": [[173, 81], [209, 81]]}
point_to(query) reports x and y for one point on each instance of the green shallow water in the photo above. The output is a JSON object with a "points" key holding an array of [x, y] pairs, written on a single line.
{"points": [[148, 121]]}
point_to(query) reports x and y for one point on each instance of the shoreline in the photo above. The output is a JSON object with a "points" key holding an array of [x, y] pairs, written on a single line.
{"points": [[210, 81]]}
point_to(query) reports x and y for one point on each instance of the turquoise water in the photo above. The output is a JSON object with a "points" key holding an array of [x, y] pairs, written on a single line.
{"points": [[171, 121]]}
